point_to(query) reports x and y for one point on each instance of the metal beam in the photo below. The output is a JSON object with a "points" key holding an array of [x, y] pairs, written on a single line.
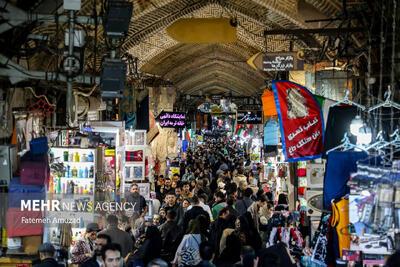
{"points": [[18, 76], [322, 31], [16, 16]]}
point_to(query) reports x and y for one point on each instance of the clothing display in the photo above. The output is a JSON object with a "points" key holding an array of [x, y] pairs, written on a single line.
{"points": [[271, 133], [340, 222], [339, 166], [339, 119]]}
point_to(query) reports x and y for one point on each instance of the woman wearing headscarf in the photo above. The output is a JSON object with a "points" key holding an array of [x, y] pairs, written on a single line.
{"points": [[149, 249], [187, 253], [246, 226]]}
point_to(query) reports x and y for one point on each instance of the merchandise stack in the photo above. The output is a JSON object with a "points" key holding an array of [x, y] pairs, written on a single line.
{"points": [[25, 225]]}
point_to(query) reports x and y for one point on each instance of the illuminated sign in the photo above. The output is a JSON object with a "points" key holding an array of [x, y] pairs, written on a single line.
{"points": [[249, 117], [171, 119]]}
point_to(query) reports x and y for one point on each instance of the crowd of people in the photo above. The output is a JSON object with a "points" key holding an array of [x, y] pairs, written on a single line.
{"points": [[214, 214], [211, 214]]}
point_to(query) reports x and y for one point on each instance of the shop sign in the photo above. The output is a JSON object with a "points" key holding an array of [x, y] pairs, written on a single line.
{"points": [[171, 119], [109, 152], [301, 121], [278, 61], [249, 117]]}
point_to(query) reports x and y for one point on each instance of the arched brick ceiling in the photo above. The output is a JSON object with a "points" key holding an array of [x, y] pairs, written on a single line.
{"points": [[194, 67], [216, 73], [191, 66]]}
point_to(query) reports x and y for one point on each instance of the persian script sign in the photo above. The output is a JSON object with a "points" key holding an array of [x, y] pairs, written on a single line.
{"points": [[278, 61], [172, 119], [249, 117]]}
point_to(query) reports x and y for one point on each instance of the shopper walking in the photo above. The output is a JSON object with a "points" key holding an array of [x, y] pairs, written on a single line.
{"points": [[118, 236], [195, 211], [46, 253]]}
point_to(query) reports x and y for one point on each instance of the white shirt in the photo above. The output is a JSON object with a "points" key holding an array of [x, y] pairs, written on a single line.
{"points": [[205, 208]]}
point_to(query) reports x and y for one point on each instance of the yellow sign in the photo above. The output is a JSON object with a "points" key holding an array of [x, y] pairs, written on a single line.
{"points": [[200, 138], [203, 30], [109, 152], [254, 157]]}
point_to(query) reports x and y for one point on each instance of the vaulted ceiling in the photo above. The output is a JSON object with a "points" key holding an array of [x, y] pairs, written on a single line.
{"points": [[220, 68], [200, 68]]}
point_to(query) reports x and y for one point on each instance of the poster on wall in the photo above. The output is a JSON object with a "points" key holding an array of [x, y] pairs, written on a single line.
{"points": [[134, 172], [301, 121]]}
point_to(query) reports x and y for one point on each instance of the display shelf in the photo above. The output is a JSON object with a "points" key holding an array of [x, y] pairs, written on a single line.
{"points": [[134, 147], [81, 184], [73, 162], [73, 148], [76, 178], [72, 196]]}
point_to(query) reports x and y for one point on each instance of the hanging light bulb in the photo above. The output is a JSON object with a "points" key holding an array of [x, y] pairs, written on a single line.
{"points": [[355, 125], [364, 136]]}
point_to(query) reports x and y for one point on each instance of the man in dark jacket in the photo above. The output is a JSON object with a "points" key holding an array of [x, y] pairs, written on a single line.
{"points": [[206, 254], [118, 236], [170, 202], [217, 227], [97, 261], [194, 212], [171, 236], [242, 205], [46, 252], [137, 201]]}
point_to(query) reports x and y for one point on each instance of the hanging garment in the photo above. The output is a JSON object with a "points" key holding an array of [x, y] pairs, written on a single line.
{"points": [[291, 236], [142, 114], [271, 133], [268, 102], [270, 151], [320, 242], [339, 166], [338, 123], [325, 103], [340, 221], [301, 168]]}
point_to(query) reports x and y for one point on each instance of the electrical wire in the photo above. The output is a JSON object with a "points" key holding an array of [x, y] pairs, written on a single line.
{"points": [[40, 96], [86, 94]]}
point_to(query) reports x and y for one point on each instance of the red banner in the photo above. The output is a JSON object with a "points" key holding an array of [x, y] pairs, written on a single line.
{"points": [[301, 121]]}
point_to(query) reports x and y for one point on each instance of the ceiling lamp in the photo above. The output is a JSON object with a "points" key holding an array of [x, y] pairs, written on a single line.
{"points": [[355, 125]]}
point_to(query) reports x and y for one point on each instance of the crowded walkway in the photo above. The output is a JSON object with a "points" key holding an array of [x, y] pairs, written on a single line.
{"points": [[213, 214]]}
